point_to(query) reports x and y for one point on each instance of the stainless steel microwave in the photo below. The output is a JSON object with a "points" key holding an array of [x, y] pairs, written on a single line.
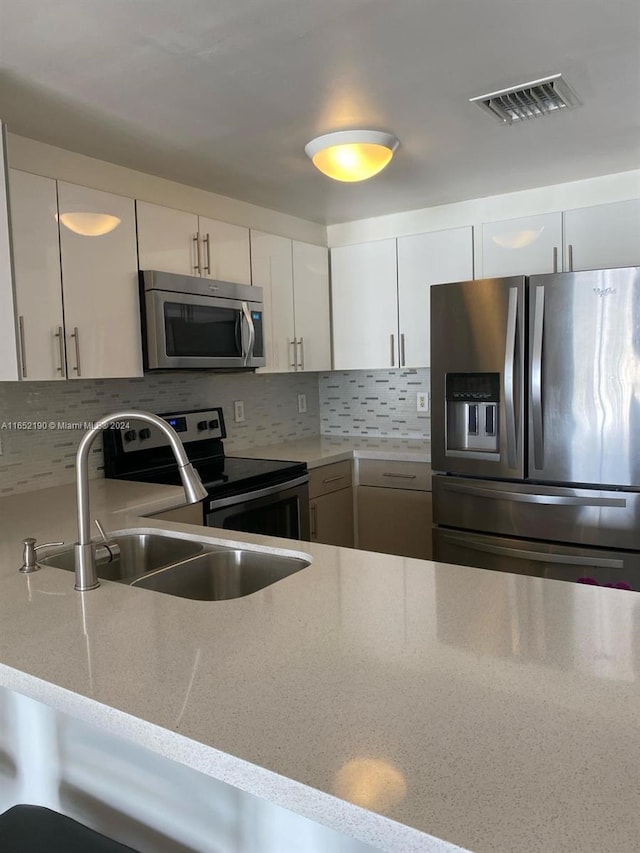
{"points": [[191, 323]]}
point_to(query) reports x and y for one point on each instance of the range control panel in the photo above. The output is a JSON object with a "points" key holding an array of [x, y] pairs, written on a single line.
{"points": [[190, 426]]}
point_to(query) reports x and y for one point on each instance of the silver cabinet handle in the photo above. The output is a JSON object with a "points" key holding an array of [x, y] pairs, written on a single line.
{"points": [[294, 364], [403, 360], [393, 351], [401, 476], [60, 336], [314, 521], [75, 335], [536, 556], [333, 479], [509, 376], [527, 498], [207, 243], [570, 258], [196, 253], [555, 259], [536, 379], [301, 344], [23, 356]]}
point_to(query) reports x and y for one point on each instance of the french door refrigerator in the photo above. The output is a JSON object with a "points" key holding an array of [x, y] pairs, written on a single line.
{"points": [[536, 425]]}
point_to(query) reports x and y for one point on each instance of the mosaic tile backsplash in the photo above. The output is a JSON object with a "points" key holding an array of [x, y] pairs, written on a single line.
{"points": [[44, 455], [374, 402]]}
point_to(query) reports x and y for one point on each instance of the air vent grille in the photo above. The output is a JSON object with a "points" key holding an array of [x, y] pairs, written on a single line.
{"points": [[529, 100]]}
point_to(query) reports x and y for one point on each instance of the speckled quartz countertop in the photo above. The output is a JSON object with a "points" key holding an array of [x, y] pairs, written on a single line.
{"points": [[412, 705], [324, 449]]}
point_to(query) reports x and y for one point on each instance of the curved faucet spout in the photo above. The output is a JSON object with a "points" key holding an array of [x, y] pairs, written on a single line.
{"points": [[86, 577]]}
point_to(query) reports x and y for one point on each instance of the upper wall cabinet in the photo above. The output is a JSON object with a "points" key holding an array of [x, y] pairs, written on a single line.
{"points": [[599, 237], [381, 297], [423, 260], [526, 246], [79, 251], [295, 282], [604, 236], [176, 241]]}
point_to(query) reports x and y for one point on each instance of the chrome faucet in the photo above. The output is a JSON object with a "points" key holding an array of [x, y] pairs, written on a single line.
{"points": [[86, 577]]}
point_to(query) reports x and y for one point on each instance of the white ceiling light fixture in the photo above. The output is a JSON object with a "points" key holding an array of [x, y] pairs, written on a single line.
{"points": [[529, 100], [89, 224], [352, 155]]}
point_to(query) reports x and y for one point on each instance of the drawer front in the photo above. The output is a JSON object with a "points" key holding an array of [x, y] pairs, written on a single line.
{"points": [[395, 475], [330, 478]]}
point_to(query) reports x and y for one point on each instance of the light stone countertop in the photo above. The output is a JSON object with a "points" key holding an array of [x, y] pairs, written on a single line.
{"points": [[325, 449], [454, 706]]}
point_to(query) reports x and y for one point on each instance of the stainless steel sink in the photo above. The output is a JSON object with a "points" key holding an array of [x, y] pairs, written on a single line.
{"points": [[136, 554], [222, 574]]}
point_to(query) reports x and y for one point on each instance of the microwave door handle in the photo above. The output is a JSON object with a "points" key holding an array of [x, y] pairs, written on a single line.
{"points": [[248, 354]]}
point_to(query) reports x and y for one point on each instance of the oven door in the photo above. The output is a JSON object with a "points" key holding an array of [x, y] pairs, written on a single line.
{"points": [[187, 331], [281, 510]]}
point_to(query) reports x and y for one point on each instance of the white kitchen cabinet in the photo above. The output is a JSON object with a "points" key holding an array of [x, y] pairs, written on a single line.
{"points": [[395, 508], [364, 305], [603, 236], [425, 259], [100, 287], [295, 282], [331, 504], [180, 242], [38, 282], [525, 246]]}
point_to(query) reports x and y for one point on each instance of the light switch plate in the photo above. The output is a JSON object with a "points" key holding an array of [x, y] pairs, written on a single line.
{"points": [[302, 403], [238, 411], [422, 401]]}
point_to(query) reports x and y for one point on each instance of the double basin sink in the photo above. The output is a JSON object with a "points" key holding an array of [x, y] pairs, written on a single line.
{"points": [[182, 567]]}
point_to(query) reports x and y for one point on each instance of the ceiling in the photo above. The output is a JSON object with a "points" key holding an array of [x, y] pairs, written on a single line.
{"points": [[224, 94]]}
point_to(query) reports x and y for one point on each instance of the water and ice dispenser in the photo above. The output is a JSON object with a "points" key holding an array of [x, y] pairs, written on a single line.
{"points": [[473, 404]]}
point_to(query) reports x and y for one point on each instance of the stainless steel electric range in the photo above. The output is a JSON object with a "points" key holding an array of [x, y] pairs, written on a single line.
{"points": [[254, 495]]}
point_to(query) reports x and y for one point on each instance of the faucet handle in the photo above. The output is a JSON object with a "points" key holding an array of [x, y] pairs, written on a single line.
{"points": [[112, 547], [29, 549]]}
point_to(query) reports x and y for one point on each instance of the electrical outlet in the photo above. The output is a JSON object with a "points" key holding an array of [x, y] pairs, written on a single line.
{"points": [[302, 403], [422, 401], [238, 411]]}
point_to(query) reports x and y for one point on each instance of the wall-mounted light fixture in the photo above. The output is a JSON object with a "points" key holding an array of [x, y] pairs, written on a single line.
{"points": [[89, 224], [352, 155]]}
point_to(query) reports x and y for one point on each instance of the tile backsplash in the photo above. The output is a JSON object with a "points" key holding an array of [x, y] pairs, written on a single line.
{"points": [[39, 435], [374, 402]]}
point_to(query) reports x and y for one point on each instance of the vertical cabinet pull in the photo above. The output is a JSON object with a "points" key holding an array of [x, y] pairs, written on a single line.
{"points": [[301, 362], [75, 336], [403, 358], [570, 258], [207, 255], [196, 253], [393, 351], [60, 338], [294, 363], [555, 259], [23, 356]]}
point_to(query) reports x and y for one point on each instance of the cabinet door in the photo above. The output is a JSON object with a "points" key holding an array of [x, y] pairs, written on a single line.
{"points": [[36, 258], [311, 306], [394, 521], [364, 311], [272, 270], [604, 236], [100, 284], [168, 239], [423, 260], [225, 251], [8, 336], [524, 246], [331, 519]]}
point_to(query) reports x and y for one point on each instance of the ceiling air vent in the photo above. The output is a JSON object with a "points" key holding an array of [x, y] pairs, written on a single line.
{"points": [[529, 100]]}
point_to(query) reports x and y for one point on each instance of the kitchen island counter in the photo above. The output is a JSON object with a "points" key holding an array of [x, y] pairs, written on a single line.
{"points": [[412, 705]]}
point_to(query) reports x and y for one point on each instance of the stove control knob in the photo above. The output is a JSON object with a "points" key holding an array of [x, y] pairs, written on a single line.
{"points": [[214, 424], [144, 434], [130, 435], [202, 425]]}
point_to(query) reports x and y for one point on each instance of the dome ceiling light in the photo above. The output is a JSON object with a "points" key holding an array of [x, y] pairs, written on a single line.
{"points": [[89, 224], [352, 155]]}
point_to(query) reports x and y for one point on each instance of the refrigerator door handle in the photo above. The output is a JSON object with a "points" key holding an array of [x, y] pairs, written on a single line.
{"points": [[525, 497], [536, 556], [509, 376], [536, 379]]}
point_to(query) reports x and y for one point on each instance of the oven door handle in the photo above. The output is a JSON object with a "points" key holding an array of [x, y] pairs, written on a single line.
{"points": [[231, 500], [248, 354]]}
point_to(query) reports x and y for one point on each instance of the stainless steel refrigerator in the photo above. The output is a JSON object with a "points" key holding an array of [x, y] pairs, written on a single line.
{"points": [[536, 425]]}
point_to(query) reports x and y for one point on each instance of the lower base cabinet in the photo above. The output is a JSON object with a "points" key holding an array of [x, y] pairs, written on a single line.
{"points": [[394, 508], [331, 504]]}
